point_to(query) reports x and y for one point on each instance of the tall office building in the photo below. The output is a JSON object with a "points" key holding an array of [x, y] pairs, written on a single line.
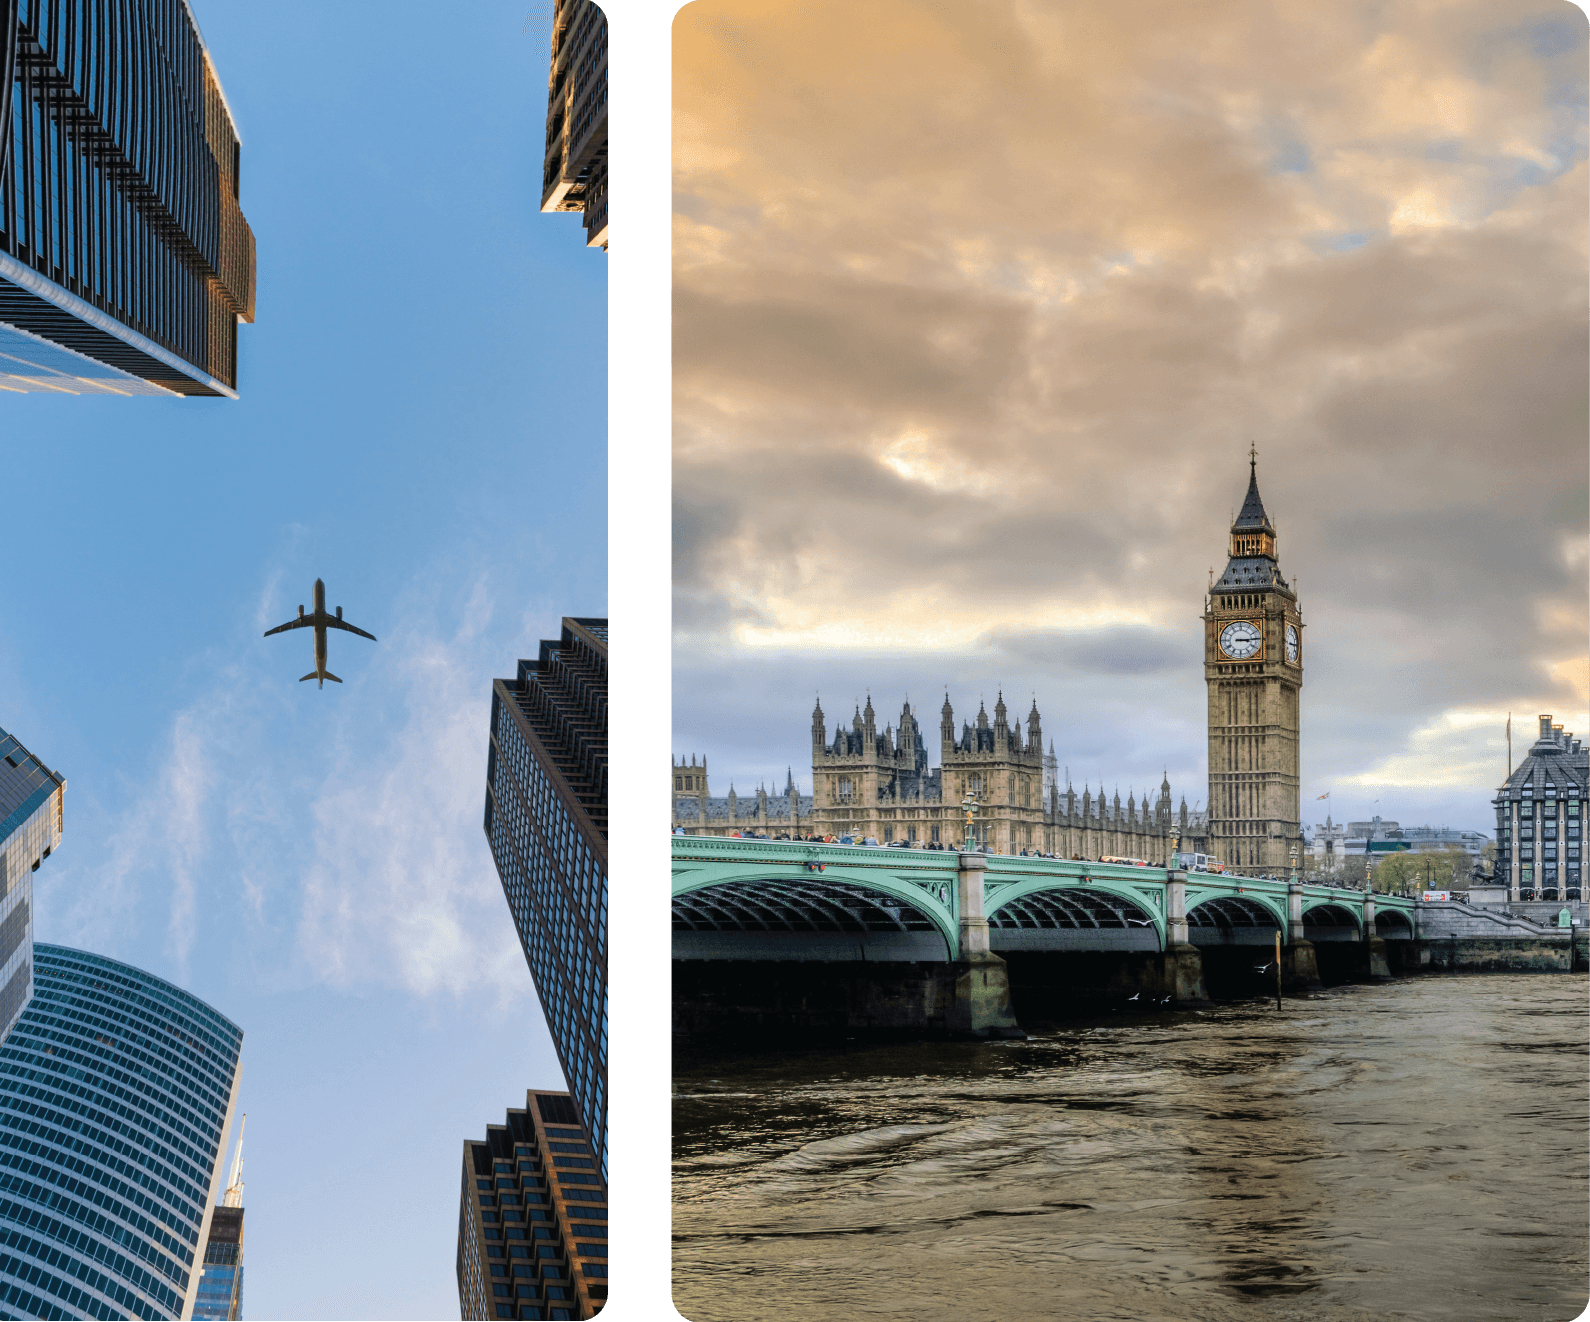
{"points": [[31, 819], [546, 820], [220, 1297], [574, 170], [116, 1096], [125, 263], [532, 1218]]}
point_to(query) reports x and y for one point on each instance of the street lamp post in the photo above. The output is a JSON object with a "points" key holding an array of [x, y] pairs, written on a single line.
{"points": [[969, 807]]}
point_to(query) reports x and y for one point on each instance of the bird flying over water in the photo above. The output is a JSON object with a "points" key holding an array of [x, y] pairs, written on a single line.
{"points": [[320, 622]]}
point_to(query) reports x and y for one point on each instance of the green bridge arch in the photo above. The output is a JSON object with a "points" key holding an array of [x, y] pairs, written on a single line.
{"points": [[926, 882]]}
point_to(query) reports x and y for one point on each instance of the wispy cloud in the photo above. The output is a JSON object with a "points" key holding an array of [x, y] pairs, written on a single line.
{"points": [[329, 837]]}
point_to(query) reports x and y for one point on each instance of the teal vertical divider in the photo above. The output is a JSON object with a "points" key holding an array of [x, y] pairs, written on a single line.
{"points": [[638, 487]]}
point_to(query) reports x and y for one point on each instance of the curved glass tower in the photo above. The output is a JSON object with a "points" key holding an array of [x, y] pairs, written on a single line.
{"points": [[116, 1094]]}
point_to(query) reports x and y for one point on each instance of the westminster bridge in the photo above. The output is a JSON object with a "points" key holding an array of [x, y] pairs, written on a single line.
{"points": [[923, 939]]}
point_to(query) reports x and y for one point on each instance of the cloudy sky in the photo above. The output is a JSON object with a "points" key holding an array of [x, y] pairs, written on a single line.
{"points": [[421, 424], [979, 307]]}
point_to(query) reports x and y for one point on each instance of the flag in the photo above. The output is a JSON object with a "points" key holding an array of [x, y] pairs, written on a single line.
{"points": [[1326, 795], [1509, 725]]}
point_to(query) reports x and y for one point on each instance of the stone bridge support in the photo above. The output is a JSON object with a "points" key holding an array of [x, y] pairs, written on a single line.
{"points": [[982, 984], [1379, 969], [1299, 967], [1183, 964]]}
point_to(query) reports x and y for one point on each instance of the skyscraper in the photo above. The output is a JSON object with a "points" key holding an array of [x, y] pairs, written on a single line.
{"points": [[220, 1297], [31, 819], [125, 262], [574, 170], [546, 821], [116, 1096], [532, 1218], [1253, 667]]}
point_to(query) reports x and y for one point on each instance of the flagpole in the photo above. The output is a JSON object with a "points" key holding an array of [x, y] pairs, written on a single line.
{"points": [[1509, 747]]}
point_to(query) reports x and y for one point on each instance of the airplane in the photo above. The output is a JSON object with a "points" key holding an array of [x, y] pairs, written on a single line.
{"points": [[320, 622]]}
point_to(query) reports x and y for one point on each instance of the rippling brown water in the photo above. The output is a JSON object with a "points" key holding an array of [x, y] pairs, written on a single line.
{"points": [[1414, 1150]]}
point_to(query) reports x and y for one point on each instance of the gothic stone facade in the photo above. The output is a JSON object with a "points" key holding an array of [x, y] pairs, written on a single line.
{"points": [[867, 783], [878, 784], [697, 812], [1253, 666]]}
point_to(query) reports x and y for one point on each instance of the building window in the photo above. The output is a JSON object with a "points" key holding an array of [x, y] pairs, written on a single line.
{"points": [[844, 789], [679, 782], [975, 784], [935, 833]]}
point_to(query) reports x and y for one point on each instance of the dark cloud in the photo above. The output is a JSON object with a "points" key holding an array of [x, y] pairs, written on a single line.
{"points": [[979, 309]]}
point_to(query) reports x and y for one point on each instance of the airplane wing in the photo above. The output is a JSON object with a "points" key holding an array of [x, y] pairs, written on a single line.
{"points": [[302, 622], [333, 623]]}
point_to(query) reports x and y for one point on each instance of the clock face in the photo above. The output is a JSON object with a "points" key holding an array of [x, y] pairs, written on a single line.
{"points": [[1239, 640], [1291, 643]]}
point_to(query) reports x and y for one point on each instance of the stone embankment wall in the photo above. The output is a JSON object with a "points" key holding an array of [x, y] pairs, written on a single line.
{"points": [[1458, 937]]}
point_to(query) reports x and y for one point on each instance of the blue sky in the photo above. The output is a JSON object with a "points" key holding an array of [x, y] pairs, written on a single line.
{"points": [[422, 425]]}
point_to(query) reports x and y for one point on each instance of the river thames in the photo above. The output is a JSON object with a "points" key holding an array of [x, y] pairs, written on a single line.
{"points": [[1416, 1149]]}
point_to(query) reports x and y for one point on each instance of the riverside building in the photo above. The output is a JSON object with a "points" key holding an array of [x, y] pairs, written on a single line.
{"points": [[116, 1097], [546, 822], [872, 784], [125, 261], [1540, 815], [532, 1217], [574, 169], [31, 820]]}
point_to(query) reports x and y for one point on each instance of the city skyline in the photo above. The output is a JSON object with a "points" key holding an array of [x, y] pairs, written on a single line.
{"points": [[1009, 421], [312, 860]]}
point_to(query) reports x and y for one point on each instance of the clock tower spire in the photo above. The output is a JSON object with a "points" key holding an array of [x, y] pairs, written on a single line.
{"points": [[1253, 667]]}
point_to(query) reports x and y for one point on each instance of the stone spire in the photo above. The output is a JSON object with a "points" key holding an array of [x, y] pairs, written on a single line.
{"points": [[1252, 516]]}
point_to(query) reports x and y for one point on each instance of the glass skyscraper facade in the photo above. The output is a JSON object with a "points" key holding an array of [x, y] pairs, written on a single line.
{"points": [[546, 820], [125, 261], [574, 168], [32, 815], [116, 1096], [220, 1297], [532, 1218]]}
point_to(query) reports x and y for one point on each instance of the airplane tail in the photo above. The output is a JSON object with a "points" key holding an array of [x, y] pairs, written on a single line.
{"points": [[322, 676]]}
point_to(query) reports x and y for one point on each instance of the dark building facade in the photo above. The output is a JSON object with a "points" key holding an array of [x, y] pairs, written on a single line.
{"points": [[1540, 815], [125, 261], [532, 1217], [32, 817], [574, 169], [116, 1097], [546, 821]]}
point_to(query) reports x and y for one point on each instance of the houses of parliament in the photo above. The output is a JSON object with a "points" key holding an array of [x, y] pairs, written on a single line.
{"points": [[867, 783]]}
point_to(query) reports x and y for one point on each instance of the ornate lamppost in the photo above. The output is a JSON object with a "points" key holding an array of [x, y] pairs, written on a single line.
{"points": [[969, 807]]}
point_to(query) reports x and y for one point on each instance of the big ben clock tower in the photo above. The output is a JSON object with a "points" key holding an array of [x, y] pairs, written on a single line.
{"points": [[1253, 665]]}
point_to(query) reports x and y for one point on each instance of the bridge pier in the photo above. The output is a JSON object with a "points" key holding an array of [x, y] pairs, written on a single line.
{"points": [[1379, 967], [1183, 963], [1299, 966], [981, 1007]]}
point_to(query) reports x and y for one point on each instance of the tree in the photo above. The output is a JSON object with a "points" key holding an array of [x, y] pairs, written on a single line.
{"points": [[1352, 871], [1396, 872]]}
